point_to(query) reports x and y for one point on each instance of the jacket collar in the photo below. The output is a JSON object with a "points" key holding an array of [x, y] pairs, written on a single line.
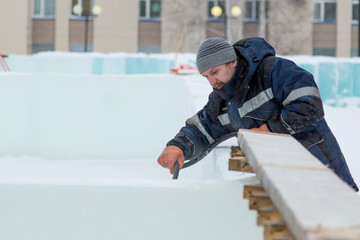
{"points": [[250, 53], [254, 50]]}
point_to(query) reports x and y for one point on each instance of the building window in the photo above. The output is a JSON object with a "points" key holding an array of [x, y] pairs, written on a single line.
{"points": [[325, 11], [36, 48], [252, 10], [213, 3], [150, 9], [44, 8], [86, 6], [355, 11]]}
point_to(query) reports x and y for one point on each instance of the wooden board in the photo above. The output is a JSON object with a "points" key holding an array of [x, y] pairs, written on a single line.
{"points": [[303, 190]]}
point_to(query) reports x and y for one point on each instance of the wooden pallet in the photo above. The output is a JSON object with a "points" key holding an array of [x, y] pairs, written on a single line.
{"points": [[268, 216], [238, 161]]}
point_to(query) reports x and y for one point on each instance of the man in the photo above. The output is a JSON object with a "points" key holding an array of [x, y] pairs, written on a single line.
{"points": [[253, 89]]}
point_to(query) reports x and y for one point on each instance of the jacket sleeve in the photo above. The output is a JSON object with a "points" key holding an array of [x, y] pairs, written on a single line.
{"points": [[199, 133], [295, 89]]}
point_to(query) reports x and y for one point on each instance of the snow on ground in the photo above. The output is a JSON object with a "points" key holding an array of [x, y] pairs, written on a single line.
{"points": [[344, 123]]}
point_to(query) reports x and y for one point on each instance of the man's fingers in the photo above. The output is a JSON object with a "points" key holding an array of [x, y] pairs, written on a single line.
{"points": [[172, 169], [262, 128], [169, 156], [162, 162]]}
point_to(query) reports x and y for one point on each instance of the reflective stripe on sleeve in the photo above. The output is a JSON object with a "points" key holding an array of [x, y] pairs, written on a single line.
{"points": [[224, 119], [301, 92], [196, 121], [256, 102]]}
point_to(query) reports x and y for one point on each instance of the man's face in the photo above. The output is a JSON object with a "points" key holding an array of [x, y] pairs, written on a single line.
{"points": [[220, 75]]}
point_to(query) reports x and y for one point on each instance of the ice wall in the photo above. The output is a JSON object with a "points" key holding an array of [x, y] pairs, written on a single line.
{"points": [[90, 63], [61, 116], [336, 77]]}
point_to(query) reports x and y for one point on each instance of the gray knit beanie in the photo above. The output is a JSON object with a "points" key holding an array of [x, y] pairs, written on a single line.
{"points": [[213, 52]]}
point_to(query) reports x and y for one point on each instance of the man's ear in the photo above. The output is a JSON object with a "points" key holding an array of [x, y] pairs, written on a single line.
{"points": [[234, 63]]}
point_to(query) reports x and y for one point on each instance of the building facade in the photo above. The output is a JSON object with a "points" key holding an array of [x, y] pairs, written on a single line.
{"points": [[293, 27]]}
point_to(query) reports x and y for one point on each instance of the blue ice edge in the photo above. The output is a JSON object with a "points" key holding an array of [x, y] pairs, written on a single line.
{"points": [[336, 77]]}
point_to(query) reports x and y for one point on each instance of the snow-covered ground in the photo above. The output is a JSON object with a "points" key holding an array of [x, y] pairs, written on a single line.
{"points": [[343, 121]]}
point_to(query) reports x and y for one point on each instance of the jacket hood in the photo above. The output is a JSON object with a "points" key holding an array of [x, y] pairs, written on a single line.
{"points": [[254, 50]]}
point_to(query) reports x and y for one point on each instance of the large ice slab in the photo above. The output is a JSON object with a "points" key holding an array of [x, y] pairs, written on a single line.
{"points": [[187, 210], [57, 116], [120, 199]]}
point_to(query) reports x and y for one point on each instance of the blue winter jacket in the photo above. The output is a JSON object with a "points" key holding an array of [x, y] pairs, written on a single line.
{"points": [[265, 90]]}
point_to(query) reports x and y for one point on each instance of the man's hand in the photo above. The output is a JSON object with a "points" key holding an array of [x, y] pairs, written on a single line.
{"points": [[169, 156], [262, 128]]}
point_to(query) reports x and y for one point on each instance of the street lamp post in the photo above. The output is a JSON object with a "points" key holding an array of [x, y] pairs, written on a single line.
{"points": [[95, 11], [235, 11]]}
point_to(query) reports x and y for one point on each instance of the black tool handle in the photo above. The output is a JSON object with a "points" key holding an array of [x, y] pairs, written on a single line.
{"points": [[176, 171]]}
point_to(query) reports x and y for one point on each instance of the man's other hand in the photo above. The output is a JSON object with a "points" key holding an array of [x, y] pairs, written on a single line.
{"points": [[169, 156], [262, 128]]}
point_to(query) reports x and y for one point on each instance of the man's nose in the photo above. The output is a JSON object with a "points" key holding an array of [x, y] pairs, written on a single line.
{"points": [[212, 81]]}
